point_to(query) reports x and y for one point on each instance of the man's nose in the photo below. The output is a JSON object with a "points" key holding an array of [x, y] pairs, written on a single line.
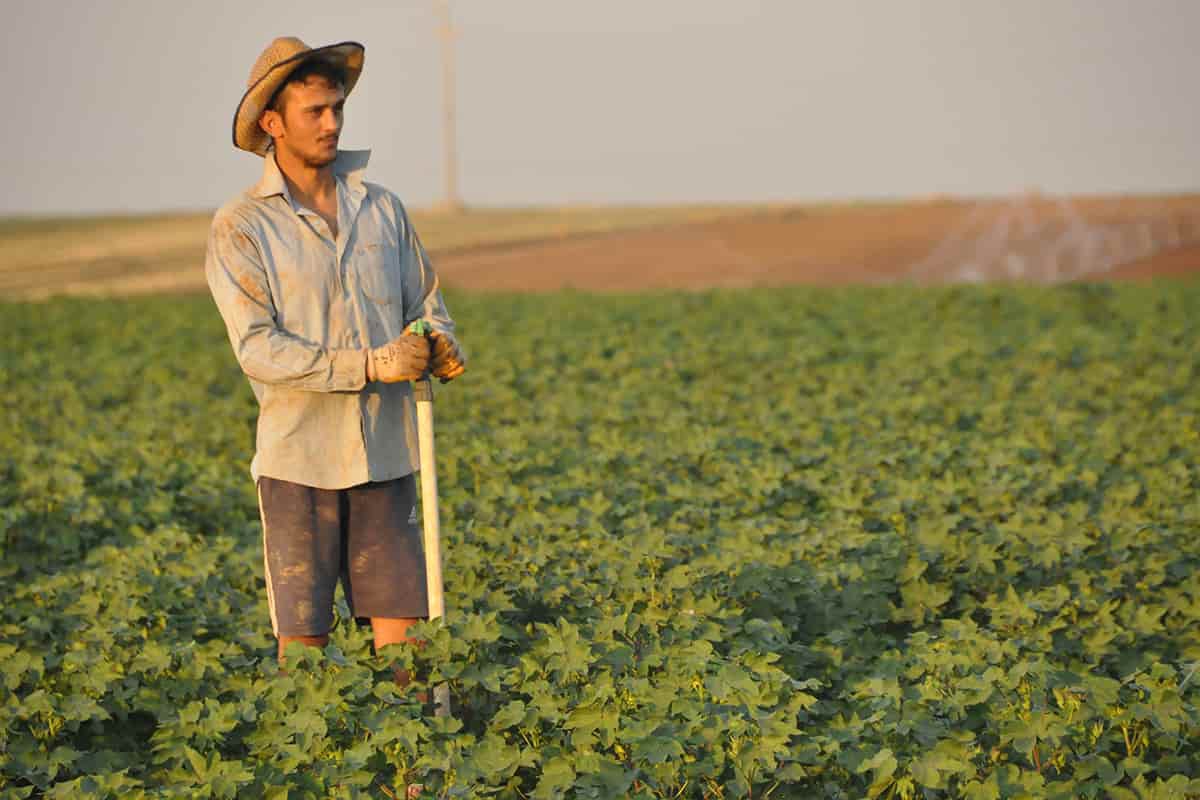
{"points": [[331, 121]]}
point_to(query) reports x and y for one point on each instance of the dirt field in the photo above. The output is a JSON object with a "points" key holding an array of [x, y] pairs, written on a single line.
{"points": [[1180, 263], [1041, 240], [165, 252], [1029, 238]]}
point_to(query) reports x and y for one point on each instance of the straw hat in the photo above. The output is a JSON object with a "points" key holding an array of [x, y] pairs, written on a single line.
{"points": [[270, 71]]}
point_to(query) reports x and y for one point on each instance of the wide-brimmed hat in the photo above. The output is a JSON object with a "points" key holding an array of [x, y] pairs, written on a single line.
{"points": [[269, 72]]}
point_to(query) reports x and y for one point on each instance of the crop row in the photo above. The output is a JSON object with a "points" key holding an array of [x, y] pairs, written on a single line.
{"points": [[805, 543]]}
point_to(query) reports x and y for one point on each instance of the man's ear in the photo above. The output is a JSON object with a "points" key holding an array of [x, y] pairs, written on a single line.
{"points": [[271, 122]]}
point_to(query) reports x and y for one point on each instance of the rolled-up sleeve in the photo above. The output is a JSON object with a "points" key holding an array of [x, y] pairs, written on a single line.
{"points": [[422, 290], [266, 352]]}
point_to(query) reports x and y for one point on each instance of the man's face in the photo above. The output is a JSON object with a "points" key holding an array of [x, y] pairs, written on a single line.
{"points": [[310, 121]]}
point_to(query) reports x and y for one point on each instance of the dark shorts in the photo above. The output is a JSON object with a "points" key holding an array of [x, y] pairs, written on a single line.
{"points": [[366, 536]]}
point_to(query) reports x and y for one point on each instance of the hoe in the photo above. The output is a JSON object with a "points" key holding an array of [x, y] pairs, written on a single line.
{"points": [[423, 393]]}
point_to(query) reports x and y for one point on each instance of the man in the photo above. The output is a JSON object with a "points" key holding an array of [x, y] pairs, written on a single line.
{"points": [[317, 274]]}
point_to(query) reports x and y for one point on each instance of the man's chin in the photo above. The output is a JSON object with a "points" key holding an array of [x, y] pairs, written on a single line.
{"points": [[322, 159]]}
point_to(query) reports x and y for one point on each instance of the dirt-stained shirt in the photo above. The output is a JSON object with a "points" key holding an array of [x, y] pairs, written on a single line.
{"points": [[300, 306]]}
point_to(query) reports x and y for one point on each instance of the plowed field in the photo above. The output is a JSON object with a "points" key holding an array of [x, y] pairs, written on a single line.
{"points": [[1039, 240], [1031, 239]]}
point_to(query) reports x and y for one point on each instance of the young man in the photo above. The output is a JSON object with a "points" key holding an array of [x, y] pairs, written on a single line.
{"points": [[317, 274]]}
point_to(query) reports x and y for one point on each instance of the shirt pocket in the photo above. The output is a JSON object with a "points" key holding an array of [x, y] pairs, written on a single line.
{"points": [[378, 267]]}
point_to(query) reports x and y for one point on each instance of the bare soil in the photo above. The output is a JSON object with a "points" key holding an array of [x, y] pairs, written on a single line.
{"points": [[1029, 238], [1183, 262], [1032, 239]]}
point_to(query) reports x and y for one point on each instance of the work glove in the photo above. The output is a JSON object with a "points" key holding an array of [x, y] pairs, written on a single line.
{"points": [[405, 358], [448, 361]]}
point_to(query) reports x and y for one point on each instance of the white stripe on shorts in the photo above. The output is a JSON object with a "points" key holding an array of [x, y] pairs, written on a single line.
{"points": [[267, 566]]}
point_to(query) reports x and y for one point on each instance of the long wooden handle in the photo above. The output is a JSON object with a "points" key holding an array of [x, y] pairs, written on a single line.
{"points": [[423, 393]]}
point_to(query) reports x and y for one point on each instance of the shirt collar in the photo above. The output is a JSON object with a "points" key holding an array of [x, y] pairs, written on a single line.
{"points": [[348, 164]]}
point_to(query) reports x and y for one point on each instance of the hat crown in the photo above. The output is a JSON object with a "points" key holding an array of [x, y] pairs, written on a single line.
{"points": [[278, 51]]}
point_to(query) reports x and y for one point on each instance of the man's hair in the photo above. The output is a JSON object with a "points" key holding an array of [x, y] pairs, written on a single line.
{"points": [[313, 67]]}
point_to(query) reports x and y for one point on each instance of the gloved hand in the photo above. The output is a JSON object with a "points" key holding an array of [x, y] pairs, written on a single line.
{"points": [[405, 358], [448, 361]]}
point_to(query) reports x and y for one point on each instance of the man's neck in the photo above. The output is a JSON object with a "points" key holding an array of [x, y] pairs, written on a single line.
{"points": [[310, 186]]}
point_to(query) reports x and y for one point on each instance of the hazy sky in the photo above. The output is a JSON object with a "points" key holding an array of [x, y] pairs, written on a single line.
{"points": [[126, 106]]}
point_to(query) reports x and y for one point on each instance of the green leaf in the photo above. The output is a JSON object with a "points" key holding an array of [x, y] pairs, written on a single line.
{"points": [[558, 775], [883, 763], [199, 765], [511, 714], [494, 758], [657, 749]]}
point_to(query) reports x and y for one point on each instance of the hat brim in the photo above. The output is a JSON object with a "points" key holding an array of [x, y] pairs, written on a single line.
{"points": [[247, 135]]}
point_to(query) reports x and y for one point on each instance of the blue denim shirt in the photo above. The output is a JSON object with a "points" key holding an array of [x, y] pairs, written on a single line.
{"points": [[301, 306]]}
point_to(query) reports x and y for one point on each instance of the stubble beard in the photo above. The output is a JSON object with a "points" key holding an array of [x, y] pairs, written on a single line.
{"points": [[320, 162], [310, 160]]}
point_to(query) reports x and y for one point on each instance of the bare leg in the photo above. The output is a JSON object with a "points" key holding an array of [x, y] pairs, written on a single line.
{"points": [[312, 641], [386, 630], [390, 631]]}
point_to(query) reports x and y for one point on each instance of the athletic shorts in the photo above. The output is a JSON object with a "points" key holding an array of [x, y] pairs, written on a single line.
{"points": [[367, 537]]}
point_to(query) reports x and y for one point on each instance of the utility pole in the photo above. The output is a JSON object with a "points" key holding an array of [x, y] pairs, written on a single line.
{"points": [[452, 200]]}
